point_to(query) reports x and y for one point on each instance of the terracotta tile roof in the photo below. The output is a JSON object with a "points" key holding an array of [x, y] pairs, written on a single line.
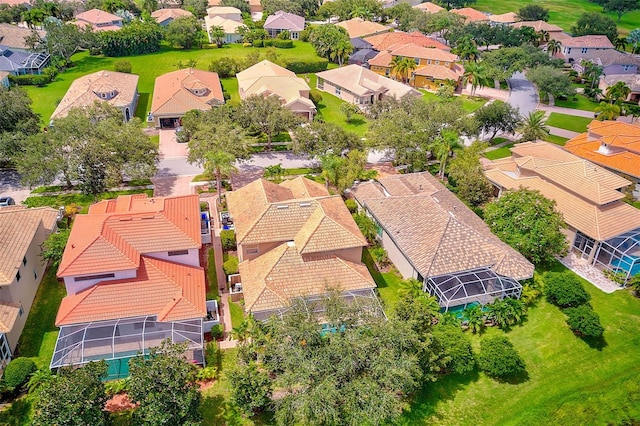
{"points": [[429, 7], [589, 41], [608, 57], [362, 82], [18, 227], [13, 35], [284, 21], [384, 41], [538, 26], [115, 233], [470, 14], [577, 189], [169, 290], [180, 91], [382, 59], [223, 10], [9, 313], [504, 18], [432, 227], [99, 20], [358, 27], [161, 15], [413, 51], [270, 281], [85, 90], [440, 72]]}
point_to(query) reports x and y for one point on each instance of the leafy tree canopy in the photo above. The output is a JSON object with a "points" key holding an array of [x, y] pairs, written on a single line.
{"points": [[552, 81], [454, 4], [584, 321], [533, 12], [320, 138], [327, 38], [457, 347], [467, 177], [564, 289], [498, 358], [266, 114], [595, 23], [621, 7], [498, 117], [185, 32]]}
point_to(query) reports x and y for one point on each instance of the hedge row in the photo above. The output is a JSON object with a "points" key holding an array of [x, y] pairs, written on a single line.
{"points": [[280, 44]]}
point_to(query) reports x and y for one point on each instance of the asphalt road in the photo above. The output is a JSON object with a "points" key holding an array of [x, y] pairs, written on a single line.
{"points": [[523, 94]]}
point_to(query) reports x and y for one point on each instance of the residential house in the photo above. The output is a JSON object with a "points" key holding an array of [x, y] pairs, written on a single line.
{"points": [[13, 36], [601, 228], [4, 79], [554, 31], [132, 273], [631, 80], [255, 8], [24, 3], [574, 47], [284, 21], [430, 235], [268, 79], [165, 16], [613, 145], [613, 62], [360, 86], [295, 241], [358, 27], [471, 15], [115, 88], [177, 92], [229, 18], [362, 57], [15, 56], [360, 44], [508, 18], [429, 7], [434, 67], [23, 232], [385, 41], [98, 20]]}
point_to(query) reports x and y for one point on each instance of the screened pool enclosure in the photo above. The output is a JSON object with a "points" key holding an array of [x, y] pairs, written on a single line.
{"points": [[465, 288], [620, 254]]}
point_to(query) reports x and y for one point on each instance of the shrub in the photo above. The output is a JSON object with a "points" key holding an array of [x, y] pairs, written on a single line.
{"points": [[115, 387], [228, 239], [283, 44], [231, 265], [217, 332], [29, 79], [316, 96], [122, 66], [564, 289], [583, 321], [207, 373], [17, 372], [225, 67], [307, 66], [456, 345], [247, 44], [351, 205], [304, 35], [380, 256], [498, 358], [258, 43], [268, 42], [284, 35]]}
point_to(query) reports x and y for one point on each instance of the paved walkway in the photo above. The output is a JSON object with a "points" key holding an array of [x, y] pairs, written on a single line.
{"points": [[562, 132], [169, 147], [487, 92], [165, 186], [589, 273], [568, 111]]}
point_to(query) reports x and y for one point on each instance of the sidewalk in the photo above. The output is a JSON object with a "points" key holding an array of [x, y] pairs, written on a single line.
{"points": [[568, 111]]}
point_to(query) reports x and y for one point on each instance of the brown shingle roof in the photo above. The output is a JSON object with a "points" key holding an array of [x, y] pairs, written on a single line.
{"points": [[589, 41], [384, 41], [432, 227], [175, 92], [358, 27], [470, 14], [18, 226], [13, 35], [85, 90], [270, 281]]}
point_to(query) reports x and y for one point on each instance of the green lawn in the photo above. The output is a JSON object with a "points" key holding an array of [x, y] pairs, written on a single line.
{"points": [[388, 283], [148, 67], [577, 102], [82, 200], [469, 104], [39, 336], [237, 313], [212, 276], [568, 122], [563, 13], [502, 152], [558, 140]]}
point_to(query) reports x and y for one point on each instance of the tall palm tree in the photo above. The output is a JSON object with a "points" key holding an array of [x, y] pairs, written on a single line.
{"points": [[402, 67], [443, 148], [466, 49], [553, 47], [341, 51], [607, 111], [592, 72], [544, 36], [618, 92], [533, 127], [411, 287], [217, 34], [476, 74], [620, 43]]}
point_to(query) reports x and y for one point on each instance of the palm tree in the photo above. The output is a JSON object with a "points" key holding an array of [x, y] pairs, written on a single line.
{"points": [[607, 111], [476, 74], [466, 49], [516, 310], [620, 43], [553, 47], [274, 172], [402, 67], [591, 71], [474, 316], [361, 12], [533, 127], [443, 148], [529, 294], [544, 36], [411, 287], [498, 313], [449, 318], [341, 51], [217, 34], [618, 92]]}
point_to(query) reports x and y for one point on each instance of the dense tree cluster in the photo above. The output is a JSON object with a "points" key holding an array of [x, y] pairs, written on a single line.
{"points": [[136, 38], [595, 23], [185, 32], [533, 12], [467, 177], [331, 42], [551, 81], [17, 120]]}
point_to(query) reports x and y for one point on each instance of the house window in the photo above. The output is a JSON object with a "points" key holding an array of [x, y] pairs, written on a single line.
{"points": [[321, 84], [568, 50], [178, 252], [437, 62], [386, 72], [24, 261], [18, 276], [103, 95], [584, 50], [626, 67], [94, 277], [21, 311], [251, 250], [337, 90], [428, 61], [35, 275], [294, 35], [447, 64], [417, 61], [379, 230]]}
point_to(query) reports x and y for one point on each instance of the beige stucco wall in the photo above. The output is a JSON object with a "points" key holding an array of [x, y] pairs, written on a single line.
{"points": [[396, 256]]}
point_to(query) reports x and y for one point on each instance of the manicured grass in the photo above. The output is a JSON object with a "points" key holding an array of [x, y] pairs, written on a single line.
{"points": [[301, 171], [82, 200], [563, 13], [502, 152], [558, 140], [155, 140], [212, 276], [568, 383], [577, 102], [498, 141], [388, 283], [469, 104], [237, 313], [568, 122], [148, 67], [39, 336]]}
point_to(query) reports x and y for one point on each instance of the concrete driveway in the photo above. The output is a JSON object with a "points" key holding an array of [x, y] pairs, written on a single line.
{"points": [[169, 147], [10, 186], [523, 94]]}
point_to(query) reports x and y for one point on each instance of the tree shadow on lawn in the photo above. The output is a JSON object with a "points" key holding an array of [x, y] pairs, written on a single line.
{"points": [[356, 122], [141, 108], [515, 379], [598, 343]]}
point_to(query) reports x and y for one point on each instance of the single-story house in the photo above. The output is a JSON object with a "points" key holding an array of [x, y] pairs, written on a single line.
{"points": [[23, 232], [229, 18], [98, 20], [631, 80], [13, 36], [601, 228], [430, 235], [358, 27], [387, 40], [132, 273], [295, 240], [508, 18], [574, 47], [165, 16], [15, 56], [177, 92], [116, 88], [268, 79], [471, 15], [429, 7], [284, 21], [360, 86]]}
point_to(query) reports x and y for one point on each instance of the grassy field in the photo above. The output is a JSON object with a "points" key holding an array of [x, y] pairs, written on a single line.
{"points": [[577, 102], [568, 122], [82, 200], [502, 152], [563, 13]]}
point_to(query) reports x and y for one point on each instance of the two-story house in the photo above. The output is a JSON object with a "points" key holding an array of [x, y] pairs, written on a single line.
{"points": [[574, 47]]}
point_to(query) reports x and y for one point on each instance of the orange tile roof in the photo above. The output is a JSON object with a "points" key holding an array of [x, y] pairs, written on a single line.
{"points": [[470, 14], [270, 281], [358, 27], [99, 20], [429, 7], [9, 313], [615, 133], [413, 51], [169, 290], [589, 41], [505, 18], [440, 72], [382, 42], [162, 15], [538, 26], [180, 91], [115, 233], [382, 59]]}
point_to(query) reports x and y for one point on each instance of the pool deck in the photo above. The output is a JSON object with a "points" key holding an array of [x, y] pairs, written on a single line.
{"points": [[590, 273]]}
